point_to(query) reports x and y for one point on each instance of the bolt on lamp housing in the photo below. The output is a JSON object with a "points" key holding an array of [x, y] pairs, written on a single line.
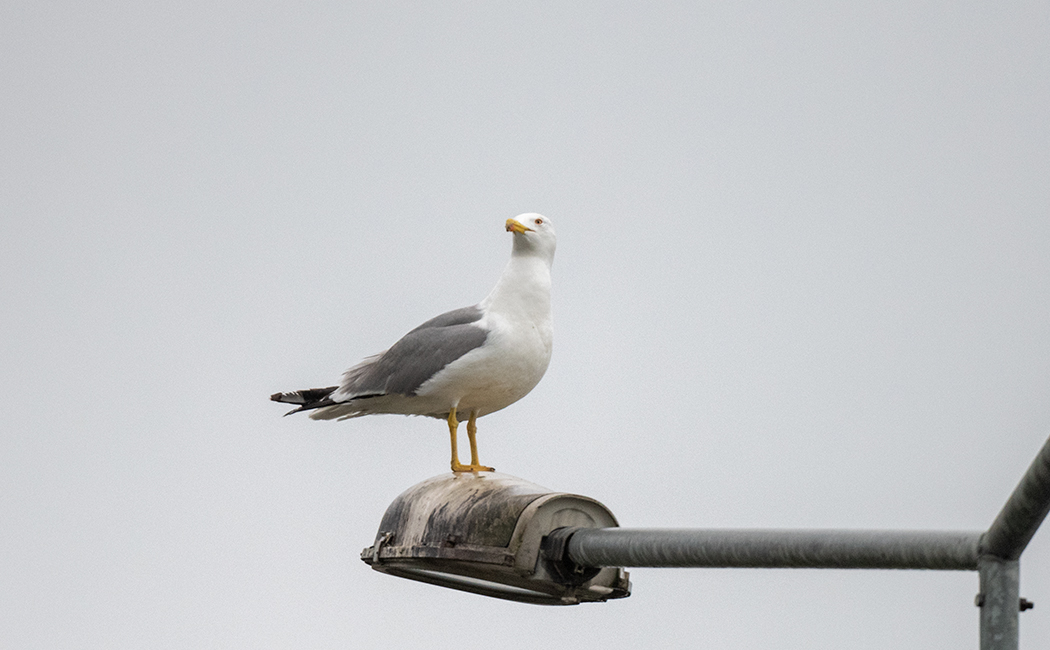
{"points": [[490, 534]]}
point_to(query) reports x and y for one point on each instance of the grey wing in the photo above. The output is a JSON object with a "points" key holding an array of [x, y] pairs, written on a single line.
{"points": [[417, 357]]}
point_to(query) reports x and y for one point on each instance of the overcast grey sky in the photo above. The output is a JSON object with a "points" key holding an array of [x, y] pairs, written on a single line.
{"points": [[802, 281]]}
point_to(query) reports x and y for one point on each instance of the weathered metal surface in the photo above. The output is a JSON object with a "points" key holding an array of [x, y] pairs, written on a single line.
{"points": [[1023, 512], [831, 549], [999, 601], [459, 509], [483, 532]]}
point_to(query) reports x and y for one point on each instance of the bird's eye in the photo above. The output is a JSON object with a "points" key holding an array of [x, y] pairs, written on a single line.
{"points": [[537, 221]]}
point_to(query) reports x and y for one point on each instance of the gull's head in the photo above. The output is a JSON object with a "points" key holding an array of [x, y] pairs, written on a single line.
{"points": [[533, 234]]}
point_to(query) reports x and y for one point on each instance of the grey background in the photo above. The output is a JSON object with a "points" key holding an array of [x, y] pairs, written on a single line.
{"points": [[802, 281]]}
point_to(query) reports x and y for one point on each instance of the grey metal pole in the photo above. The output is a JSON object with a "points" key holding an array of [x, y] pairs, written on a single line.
{"points": [[828, 549], [999, 600], [1001, 548], [1023, 512]]}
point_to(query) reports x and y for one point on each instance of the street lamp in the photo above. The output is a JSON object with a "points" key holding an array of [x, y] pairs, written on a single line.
{"points": [[497, 535], [490, 534]]}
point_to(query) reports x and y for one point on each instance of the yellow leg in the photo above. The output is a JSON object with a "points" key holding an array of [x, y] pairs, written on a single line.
{"points": [[472, 432], [472, 428], [453, 424]]}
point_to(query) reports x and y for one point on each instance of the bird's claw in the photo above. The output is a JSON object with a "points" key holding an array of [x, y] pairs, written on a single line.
{"points": [[458, 468]]}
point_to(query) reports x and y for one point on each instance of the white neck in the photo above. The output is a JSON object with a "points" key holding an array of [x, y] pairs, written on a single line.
{"points": [[524, 288]]}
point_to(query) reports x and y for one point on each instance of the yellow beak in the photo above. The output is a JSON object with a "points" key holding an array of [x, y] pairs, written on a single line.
{"points": [[513, 225]]}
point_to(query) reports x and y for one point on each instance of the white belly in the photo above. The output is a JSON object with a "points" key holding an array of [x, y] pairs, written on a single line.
{"points": [[494, 376]]}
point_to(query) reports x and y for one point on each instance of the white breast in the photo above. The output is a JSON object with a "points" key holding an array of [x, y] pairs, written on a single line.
{"points": [[518, 348]]}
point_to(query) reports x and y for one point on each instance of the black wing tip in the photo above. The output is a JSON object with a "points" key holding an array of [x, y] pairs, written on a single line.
{"points": [[311, 398]]}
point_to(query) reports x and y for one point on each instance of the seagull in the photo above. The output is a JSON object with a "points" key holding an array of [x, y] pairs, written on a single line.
{"points": [[473, 360]]}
